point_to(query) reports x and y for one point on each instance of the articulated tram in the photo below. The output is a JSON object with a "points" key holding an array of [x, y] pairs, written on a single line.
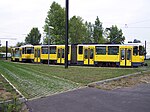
{"points": [[126, 55]]}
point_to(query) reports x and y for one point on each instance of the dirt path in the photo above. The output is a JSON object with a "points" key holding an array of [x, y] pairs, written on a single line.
{"points": [[124, 82]]}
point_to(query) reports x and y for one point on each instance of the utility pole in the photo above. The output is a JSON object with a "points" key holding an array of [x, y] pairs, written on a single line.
{"points": [[48, 45], [145, 49], [7, 44], [6, 49], [66, 39], [49, 42]]}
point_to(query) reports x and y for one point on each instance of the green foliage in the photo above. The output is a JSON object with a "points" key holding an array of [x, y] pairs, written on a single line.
{"points": [[56, 19], [12, 106], [77, 30], [89, 32], [19, 44], [98, 32], [115, 35], [3, 49], [33, 37]]}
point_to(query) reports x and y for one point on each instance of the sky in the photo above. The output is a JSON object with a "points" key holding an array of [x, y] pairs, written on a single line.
{"points": [[18, 17]]}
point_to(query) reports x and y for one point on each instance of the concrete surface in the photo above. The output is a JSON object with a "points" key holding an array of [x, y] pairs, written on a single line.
{"points": [[133, 99]]}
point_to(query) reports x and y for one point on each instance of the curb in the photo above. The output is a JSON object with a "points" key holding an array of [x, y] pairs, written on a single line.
{"points": [[116, 78], [57, 93]]}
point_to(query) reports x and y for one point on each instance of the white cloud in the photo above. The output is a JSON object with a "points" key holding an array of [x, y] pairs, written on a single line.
{"points": [[19, 16]]}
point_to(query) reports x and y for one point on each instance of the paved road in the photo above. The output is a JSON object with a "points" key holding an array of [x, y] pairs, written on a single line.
{"points": [[135, 99]]}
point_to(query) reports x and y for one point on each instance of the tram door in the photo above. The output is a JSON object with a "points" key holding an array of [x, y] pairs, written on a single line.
{"points": [[88, 56], [125, 57], [61, 56], [37, 55]]}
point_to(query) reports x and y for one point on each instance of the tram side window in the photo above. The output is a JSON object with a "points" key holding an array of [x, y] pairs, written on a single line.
{"points": [[86, 54], [100, 50], [80, 49], [53, 50], [122, 54], [58, 53], [17, 53], [91, 54], [135, 50], [38, 53], [113, 50], [35, 54], [129, 55], [30, 50], [63, 53], [44, 50], [12, 52], [141, 50]]}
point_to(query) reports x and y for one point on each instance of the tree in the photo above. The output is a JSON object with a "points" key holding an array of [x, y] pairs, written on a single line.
{"points": [[115, 35], [98, 32], [55, 19], [33, 37], [20, 44], [3, 49], [77, 30], [89, 32]]}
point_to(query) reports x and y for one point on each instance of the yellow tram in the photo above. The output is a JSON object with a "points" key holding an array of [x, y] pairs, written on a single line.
{"points": [[126, 55]]}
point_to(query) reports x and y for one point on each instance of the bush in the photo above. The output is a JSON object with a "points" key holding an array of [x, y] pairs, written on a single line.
{"points": [[11, 106]]}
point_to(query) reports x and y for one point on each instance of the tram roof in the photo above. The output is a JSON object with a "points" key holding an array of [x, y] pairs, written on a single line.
{"points": [[130, 44]]}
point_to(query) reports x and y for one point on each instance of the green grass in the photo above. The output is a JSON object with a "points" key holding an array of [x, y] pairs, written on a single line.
{"points": [[83, 75], [4, 89], [34, 84], [35, 80]]}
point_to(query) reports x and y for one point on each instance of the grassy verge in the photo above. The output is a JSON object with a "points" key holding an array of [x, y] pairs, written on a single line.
{"points": [[9, 98], [6, 91], [40, 80], [83, 75], [33, 83]]}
